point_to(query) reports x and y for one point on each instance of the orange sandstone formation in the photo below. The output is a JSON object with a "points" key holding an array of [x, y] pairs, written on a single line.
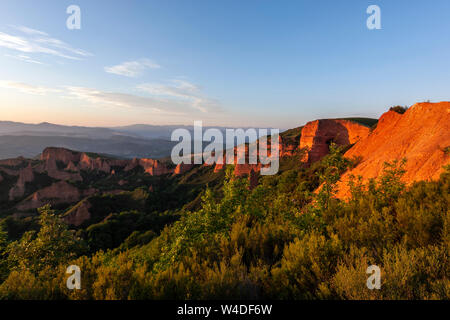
{"points": [[60, 154], [88, 163], [318, 135], [150, 166], [182, 168], [421, 135]]}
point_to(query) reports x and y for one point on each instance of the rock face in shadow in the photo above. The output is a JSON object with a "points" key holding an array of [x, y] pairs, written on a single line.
{"points": [[318, 135], [150, 166], [25, 175], [154, 167], [52, 170], [421, 135], [60, 154], [13, 162], [58, 193], [79, 214]]}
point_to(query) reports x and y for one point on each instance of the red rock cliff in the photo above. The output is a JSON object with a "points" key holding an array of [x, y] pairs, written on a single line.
{"points": [[59, 192], [60, 154], [420, 135], [25, 175], [317, 136], [182, 168]]}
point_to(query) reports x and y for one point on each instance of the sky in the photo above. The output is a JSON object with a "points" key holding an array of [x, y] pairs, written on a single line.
{"points": [[227, 63]]}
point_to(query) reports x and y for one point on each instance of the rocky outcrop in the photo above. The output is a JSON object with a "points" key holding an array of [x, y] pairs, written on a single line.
{"points": [[78, 214], [58, 193], [12, 167], [25, 175], [10, 172], [245, 169], [131, 165], [53, 171], [20, 161], [158, 169], [241, 170], [287, 150], [317, 136], [99, 164], [421, 135], [72, 167], [182, 168], [60, 154], [150, 166], [76, 161]]}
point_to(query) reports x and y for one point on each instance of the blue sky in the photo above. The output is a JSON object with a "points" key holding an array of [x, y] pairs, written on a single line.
{"points": [[231, 63]]}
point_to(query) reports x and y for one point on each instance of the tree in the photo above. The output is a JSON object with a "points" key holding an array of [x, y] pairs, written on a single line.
{"points": [[390, 184], [335, 164], [52, 245]]}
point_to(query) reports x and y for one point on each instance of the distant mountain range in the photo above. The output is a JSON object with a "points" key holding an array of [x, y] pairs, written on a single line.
{"points": [[28, 140], [49, 129], [134, 141]]}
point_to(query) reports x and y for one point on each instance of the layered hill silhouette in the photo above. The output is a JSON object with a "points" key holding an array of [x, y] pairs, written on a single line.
{"points": [[141, 140]]}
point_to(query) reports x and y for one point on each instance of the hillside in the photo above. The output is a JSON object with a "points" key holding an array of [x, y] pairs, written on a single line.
{"points": [[420, 135], [161, 231]]}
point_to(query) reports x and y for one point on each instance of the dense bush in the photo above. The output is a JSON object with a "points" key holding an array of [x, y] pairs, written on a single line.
{"points": [[399, 109]]}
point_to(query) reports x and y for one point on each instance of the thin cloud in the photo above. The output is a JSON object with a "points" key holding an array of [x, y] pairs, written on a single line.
{"points": [[30, 31], [27, 88], [123, 100], [169, 101], [24, 58], [32, 41], [184, 91], [132, 69]]}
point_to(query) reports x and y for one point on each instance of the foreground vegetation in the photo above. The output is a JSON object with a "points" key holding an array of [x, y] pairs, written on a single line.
{"points": [[278, 241]]}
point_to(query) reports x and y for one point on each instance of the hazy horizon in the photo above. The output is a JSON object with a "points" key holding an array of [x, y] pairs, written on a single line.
{"points": [[167, 124]]}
